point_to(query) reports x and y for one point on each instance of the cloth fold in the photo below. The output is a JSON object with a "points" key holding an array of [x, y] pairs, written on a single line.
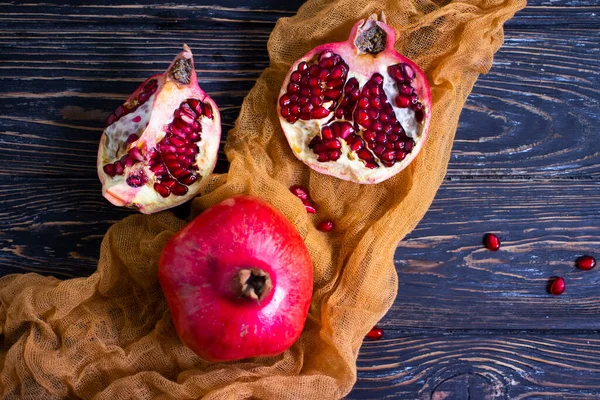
{"points": [[110, 336]]}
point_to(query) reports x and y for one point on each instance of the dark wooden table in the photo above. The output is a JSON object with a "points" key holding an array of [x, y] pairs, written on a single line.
{"points": [[467, 323]]}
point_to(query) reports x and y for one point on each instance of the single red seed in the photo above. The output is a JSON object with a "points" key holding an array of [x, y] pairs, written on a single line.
{"points": [[402, 101], [189, 179], [295, 77], [143, 97], [325, 226], [309, 207], [137, 119], [375, 333], [557, 286], [333, 144], [319, 112], [159, 169], [284, 100], [334, 155], [586, 262], [132, 138], [120, 111], [409, 145], [162, 190], [110, 119], [491, 241], [134, 181], [109, 169], [179, 190], [300, 192]]}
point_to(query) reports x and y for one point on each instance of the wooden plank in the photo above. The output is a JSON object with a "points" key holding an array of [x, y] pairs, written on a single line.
{"points": [[535, 114], [447, 280], [479, 366]]}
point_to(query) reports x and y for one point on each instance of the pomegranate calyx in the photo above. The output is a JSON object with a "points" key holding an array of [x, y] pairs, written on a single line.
{"points": [[370, 37], [254, 283]]}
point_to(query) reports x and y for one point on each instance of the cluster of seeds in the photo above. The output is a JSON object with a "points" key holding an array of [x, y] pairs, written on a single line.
{"points": [[363, 117]]}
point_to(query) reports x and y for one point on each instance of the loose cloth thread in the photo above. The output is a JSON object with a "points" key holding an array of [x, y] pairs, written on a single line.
{"points": [[110, 336]]}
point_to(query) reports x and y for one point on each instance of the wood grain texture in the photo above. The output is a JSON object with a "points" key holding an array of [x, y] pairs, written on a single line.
{"points": [[467, 322], [480, 366]]}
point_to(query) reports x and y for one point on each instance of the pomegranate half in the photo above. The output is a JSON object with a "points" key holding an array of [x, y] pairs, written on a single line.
{"points": [[162, 142], [356, 110], [238, 281]]}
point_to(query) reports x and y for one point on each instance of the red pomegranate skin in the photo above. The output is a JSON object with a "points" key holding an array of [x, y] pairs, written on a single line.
{"points": [[198, 268]]}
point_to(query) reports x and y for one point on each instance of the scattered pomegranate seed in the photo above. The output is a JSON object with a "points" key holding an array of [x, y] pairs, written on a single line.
{"points": [[309, 207], [375, 333], [325, 226], [300, 192], [557, 286], [586, 262], [491, 241]]}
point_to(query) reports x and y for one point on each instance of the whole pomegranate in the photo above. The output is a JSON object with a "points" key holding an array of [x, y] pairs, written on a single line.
{"points": [[159, 145], [356, 110], [238, 281]]}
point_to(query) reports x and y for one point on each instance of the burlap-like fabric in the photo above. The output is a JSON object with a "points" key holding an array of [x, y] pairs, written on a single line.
{"points": [[110, 336]]}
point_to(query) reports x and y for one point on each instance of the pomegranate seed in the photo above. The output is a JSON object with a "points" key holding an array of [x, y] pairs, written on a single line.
{"points": [[110, 119], [402, 101], [405, 89], [586, 262], [172, 165], [194, 137], [409, 145], [293, 87], [325, 226], [316, 101], [177, 142], [389, 155], [167, 148], [408, 71], [132, 138], [120, 111], [284, 100], [491, 241], [376, 91], [369, 136], [313, 82], [557, 286], [363, 102], [334, 155], [162, 190], [189, 179], [414, 98], [295, 109], [303, 101], [118, 168], [300, 192], [371, 165], [345, 130], [143, 97], [335, 83], [357, 145], [126, 161], [364, 154], [400, 155], [109, 169], [134, 181], [323, 74], [362, 117], [319, 112], [322, 157], [179, 190], [389, 145], [373, 114], [332, 94], [295, 77], [285, 112], [333, 144], [303, 66], [375, 333], [381, 138], [417, 106], [159, 169], [326, 132], [337, 72], [309, 207]]}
